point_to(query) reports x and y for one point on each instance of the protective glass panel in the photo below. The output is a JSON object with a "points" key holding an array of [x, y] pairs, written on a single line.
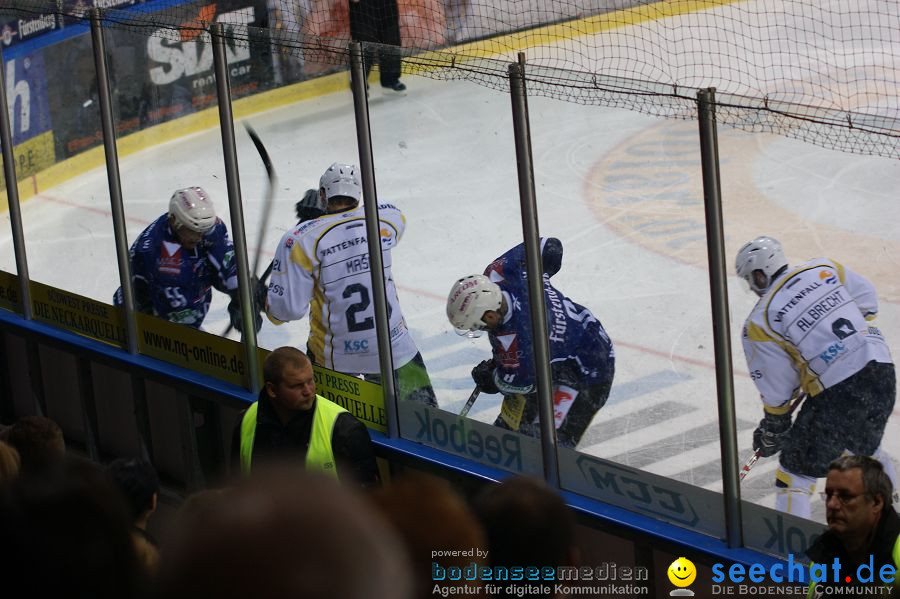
{"points": [[628, 207], [51, 117], [621, 191], [445, 155], [456, 184], [176, 96], [305, 124], [817, 327]]}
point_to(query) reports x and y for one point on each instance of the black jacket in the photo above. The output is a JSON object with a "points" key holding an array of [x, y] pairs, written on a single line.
{"points": [[828, 546], [353, 451]]}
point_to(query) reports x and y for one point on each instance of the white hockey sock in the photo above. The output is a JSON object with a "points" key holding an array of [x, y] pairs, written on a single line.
{"points": [[794, 497]]}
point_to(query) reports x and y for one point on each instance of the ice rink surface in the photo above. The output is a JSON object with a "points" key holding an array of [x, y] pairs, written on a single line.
{"points": [[620, 189]]}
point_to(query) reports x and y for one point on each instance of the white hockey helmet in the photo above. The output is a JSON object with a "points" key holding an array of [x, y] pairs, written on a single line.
{"points": [[469, 299], [191, 207], [341, 180], [763, 254]]}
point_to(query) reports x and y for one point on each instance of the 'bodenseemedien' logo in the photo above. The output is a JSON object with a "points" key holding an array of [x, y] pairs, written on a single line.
{"points": [[607, 579]]}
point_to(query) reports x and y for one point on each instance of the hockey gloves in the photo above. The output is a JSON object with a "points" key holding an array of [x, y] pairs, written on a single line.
{"points": [[566, 372], [771, 434], [260, 289], [258, 293], [483, 375], [310, 207], [237, 319], [143, 302]]}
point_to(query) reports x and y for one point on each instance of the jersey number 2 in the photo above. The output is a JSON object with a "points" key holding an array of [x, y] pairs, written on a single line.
{"points": [[354, 325]]}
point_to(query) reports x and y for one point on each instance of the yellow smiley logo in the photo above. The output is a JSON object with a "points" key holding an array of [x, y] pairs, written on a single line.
{"points": [[682, 572]]}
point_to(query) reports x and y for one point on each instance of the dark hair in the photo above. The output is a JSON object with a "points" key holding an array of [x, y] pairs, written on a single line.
{"points": [[10, 463], [66, 534], [39, 441], [875, 480], [137, 480], [429, 514], [520, 510], [284, 532], [275, 362], [339, 203]]}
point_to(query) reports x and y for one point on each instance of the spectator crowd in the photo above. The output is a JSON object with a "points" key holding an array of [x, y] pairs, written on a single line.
{"points": [[73, 527]]}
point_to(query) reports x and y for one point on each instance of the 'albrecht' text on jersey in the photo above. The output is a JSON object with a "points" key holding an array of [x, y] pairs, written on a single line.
{"points": [[811, 330]]}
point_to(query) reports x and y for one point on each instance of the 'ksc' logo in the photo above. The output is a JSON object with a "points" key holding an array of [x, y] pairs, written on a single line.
{"points": [[356, 346]]}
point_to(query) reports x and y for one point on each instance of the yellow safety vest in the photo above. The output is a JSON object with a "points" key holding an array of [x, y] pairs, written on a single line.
{"points": [[319, 455]]}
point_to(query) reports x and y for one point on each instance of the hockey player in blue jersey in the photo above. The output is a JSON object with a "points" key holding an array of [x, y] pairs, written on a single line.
{"points": [[582, 360], [179, 258]]}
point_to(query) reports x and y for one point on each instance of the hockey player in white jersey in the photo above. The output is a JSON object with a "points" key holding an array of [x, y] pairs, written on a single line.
{"points": [[322, 265], [809, 333]]}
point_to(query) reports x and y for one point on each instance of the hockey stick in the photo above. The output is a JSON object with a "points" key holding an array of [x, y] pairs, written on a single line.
{"points": [[270, 193], [303, 215], [470, 402], [745, 469], [267, 208]]}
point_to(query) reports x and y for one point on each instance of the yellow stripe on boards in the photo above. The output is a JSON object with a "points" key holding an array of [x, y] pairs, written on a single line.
{"points": [[559, 32], [417, 63], [175, 129]]}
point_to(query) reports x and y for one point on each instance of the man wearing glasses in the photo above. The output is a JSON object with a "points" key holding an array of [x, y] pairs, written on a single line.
{"points": [[862, 526]]}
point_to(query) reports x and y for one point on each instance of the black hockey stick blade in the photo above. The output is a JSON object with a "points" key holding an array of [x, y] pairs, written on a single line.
{"points": [[470, 402], [267, 162], [270, 193], [267, 204]]}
